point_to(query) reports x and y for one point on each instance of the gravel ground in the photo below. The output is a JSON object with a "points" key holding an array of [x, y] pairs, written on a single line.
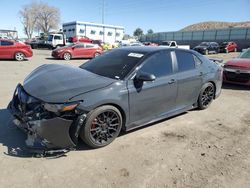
{"points": [[208, 148]]}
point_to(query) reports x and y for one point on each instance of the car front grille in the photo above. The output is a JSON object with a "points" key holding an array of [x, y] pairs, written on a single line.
{"points": [[237, 77]]}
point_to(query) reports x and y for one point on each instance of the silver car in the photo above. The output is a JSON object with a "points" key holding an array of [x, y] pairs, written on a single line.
{"points": [[122, 89]]}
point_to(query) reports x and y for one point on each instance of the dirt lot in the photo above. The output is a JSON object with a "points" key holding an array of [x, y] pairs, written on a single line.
{"points": [[209, 148]]}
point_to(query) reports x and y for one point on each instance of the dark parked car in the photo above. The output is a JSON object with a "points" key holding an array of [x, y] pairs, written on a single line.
{"points": [[207, 48], [237, 71], [79, 50], [228, 47], [10, 49], [124, 88]]}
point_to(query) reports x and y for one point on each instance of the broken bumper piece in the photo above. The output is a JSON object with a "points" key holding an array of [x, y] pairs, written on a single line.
{"points": [[45, 130]]}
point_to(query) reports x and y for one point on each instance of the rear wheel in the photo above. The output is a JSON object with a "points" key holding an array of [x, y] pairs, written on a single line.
{"points": [[66, 56], [206, 96], [19, 56], [102, 126]]}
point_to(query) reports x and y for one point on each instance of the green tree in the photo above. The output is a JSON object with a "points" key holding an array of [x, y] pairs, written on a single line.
{"points": [[138, 32], [150, 31]]}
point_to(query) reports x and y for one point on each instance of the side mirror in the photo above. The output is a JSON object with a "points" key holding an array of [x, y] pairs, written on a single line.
{"points": [[144, 76]]}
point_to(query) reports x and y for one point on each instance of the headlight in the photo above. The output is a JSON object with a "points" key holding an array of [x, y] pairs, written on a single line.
{"points": [[61, 107]]}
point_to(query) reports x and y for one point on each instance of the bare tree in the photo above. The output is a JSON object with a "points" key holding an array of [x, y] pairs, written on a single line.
{"points": [[29, 19], [40, 17], [48, 18]]}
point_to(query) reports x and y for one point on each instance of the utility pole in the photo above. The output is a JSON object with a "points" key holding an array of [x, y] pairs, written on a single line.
{"points": [[103, 9]]}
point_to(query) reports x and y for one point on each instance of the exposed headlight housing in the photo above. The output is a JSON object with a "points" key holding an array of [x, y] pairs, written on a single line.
{"points": [[61, 107]]}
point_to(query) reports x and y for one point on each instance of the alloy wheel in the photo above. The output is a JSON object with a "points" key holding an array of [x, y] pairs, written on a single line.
{"points": [[207, 96], [19, 56], [67, 56], [104, 127]]}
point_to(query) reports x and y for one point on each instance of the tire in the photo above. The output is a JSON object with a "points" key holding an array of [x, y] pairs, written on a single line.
{"points": [[67, 56], [96, 54], [19, 56], [235, 49], [102, 126], [206, 96]]}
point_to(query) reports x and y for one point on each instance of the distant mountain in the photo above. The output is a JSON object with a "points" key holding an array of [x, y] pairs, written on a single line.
{"points": [[215, 25]]}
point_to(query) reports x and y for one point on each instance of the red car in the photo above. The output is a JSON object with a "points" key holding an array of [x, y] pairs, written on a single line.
{"points": [[80, 50], [10, 49], [228, 47], [237, 71]]}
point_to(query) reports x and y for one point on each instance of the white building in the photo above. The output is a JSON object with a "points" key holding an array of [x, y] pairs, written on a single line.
{"points": [[94, 31]]}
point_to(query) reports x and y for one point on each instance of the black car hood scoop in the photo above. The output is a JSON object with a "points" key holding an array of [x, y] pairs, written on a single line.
{"points": [[54, 83]]}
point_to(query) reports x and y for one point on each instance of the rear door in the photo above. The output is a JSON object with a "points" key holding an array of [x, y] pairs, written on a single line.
{"points": [[149, 100], [189, 78], [6, 49]]}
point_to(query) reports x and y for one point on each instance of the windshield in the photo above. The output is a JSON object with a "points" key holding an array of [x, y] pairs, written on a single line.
{"points": [[245, 54], [204, 44], [50, 37], [115, 64]]}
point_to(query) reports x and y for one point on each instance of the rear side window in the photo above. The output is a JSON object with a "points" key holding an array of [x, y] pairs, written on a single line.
{"points": [[6, 43], [185, 61], [159, 64]]}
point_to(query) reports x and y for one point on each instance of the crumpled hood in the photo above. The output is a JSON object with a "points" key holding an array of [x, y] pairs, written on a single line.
{"points": [[54, 83], [243, 63]]}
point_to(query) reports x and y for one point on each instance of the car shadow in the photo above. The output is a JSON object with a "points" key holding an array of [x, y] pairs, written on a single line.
{"points": [[235, 87], [13, 60]]}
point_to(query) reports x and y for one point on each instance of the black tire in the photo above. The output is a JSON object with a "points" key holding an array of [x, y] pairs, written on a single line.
{"points": [[206, 96], [19, 56], [102, 126], [67, 56]]}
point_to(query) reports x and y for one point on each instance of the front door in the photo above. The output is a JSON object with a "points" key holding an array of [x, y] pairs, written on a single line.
{"points": [[149, 100]]}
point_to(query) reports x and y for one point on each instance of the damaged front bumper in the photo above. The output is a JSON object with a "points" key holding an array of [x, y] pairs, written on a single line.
{"points": [[45, 130]]}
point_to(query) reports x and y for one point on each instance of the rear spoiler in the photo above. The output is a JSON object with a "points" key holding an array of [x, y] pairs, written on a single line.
{"points": [[215, 60]]}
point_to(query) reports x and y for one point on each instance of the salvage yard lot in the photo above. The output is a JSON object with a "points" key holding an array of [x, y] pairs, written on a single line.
{"points": [[209, 148]]}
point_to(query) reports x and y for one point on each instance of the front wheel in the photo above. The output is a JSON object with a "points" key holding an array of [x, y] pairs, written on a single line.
{"points": [[206, 96], [19, 56], [102, 126], [66, 56]]}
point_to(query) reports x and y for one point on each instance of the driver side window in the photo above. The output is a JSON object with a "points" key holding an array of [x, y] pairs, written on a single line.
{"points": [[159, 64]]}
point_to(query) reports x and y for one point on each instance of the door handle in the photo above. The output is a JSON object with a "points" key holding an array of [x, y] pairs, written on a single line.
{"points": [[172, 81]]}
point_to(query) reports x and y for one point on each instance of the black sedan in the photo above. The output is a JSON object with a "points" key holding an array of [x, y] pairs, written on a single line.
{"points": [[207, 48], [120, 90]]}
